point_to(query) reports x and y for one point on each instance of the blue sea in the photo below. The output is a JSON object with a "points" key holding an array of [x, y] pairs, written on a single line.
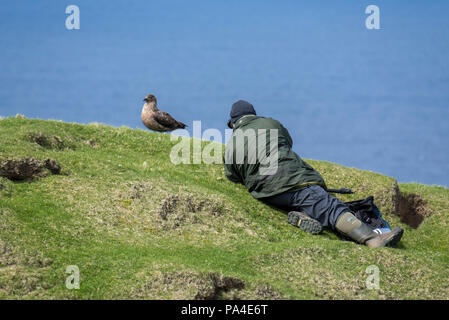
{"points": [[371, 99]]}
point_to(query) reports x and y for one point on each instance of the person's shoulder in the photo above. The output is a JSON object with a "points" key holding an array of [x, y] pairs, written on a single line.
{"points": [[262, 122], [272, 120]]}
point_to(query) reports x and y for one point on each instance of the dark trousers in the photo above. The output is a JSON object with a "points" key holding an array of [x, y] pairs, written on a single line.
{"points": [[314, 201]]}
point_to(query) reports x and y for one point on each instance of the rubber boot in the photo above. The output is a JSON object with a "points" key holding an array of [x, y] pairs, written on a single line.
{"points": [[350, 226], [304, 222], [389, 239]]}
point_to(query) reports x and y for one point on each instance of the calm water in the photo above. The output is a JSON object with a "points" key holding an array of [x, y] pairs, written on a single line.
{"points": [[371, 99]]}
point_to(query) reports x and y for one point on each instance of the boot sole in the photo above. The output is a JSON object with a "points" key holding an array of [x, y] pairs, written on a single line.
{"points": [[387, 242], [395, 239], [305, 224]]}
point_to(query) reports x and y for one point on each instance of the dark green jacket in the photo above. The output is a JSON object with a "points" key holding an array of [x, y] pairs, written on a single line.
{"points": [[290, 171]]}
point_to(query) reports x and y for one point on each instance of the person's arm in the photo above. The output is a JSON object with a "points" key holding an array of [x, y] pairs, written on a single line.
{"points": [[228, 161], [287, 135], [232, 174]]}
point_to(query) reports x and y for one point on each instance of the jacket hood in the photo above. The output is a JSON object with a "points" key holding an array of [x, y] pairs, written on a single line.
{"points": [[239, 109]]}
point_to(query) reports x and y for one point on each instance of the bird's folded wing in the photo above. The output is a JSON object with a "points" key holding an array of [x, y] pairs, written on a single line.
{"points": [[165, 119]]}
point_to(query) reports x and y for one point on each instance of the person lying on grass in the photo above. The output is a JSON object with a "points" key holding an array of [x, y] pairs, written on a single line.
{"points": [[288, 182]]}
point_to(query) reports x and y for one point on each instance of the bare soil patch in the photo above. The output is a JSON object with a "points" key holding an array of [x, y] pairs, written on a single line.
{"points": [[190, 285], [410, 207], [216, 285], [49, 141], [28, 168], [175, 210]]}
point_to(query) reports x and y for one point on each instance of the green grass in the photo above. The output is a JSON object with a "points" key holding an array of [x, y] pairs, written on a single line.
{"points": [[102, 214]]}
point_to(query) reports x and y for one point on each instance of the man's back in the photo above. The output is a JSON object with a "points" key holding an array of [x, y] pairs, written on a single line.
{"points": [[260, 156]]}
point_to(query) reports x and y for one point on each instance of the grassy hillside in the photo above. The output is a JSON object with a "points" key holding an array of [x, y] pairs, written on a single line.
{"points": [[139, 227]]}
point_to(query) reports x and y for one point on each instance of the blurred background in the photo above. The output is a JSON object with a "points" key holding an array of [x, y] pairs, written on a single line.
{"points": [[371, 99]]}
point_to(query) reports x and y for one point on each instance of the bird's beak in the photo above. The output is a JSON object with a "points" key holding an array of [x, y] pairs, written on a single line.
{"points": [[144, 99]]}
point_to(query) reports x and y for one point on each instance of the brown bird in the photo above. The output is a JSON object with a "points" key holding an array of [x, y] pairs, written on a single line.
{"points": [[157, 120]]}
